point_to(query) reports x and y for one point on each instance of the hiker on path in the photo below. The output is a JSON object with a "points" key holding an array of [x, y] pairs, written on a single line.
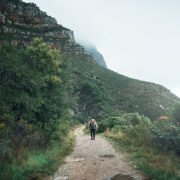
{"points": [[93, 128]]}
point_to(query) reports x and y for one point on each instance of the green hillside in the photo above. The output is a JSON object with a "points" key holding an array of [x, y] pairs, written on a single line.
{"points": [[102, 92]]}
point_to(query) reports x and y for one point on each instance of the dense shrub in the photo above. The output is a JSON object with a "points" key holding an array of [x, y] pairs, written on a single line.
{"points": [[151, 145], [166, 136], [33, 104], [125, 122], [31, 91], [132, 125], [91, 99]]}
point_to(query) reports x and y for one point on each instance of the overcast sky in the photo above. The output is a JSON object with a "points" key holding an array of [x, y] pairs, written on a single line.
{"points": [[138, 38]]}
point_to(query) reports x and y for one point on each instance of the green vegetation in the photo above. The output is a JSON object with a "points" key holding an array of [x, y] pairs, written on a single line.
{"points": [[118, 93], [176, 113], [34, 118], [166, 136], [37, 164], [112, 99], [43, 92], [153, 147]]}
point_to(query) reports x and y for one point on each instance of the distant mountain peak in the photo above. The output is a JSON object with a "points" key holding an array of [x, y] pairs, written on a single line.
{"points": [[92, 50]]}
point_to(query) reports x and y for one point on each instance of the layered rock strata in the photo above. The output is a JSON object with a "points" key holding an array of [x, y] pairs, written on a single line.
{"points": [[20, 22]]}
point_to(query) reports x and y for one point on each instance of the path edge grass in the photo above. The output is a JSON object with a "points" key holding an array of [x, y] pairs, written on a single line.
{"points": [[139, 158], [40, 164]]}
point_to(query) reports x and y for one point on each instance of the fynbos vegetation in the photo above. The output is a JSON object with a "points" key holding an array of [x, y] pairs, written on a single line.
{"points": [[154, 146], [33, 110]]}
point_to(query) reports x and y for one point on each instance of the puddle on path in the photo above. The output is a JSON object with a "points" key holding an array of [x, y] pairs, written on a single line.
{"points": [[107, 156], [122, 177]]}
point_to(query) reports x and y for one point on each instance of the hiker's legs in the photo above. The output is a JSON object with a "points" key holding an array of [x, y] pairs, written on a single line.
{"points": [[91, 133], [94, 133]]}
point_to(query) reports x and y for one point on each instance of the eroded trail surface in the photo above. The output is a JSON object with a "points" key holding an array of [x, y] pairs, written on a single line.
{"points": [[95, 160]]}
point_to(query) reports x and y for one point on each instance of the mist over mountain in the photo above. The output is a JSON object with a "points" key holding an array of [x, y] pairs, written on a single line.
{"points": [[92, 50]]}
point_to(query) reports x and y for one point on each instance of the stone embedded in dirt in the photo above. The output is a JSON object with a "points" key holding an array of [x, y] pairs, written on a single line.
{"points": [[74, 159], [122, 177], [62, 178], [107, 156]]}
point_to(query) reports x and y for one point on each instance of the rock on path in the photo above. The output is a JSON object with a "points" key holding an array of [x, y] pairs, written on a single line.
{"points": [[95, 160]]}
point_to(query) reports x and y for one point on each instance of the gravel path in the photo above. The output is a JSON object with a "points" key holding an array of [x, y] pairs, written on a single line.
{"points": [[95, 160]]}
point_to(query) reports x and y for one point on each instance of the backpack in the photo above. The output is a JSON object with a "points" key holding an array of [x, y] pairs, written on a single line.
{"points": [[92, 125]]}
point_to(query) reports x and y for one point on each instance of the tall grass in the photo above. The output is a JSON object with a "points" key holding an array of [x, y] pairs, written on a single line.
{"points": [[37, 164]]}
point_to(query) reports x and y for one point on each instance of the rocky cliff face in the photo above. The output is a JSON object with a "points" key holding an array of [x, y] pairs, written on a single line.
{"points": [[21, 22], [92, 50]]}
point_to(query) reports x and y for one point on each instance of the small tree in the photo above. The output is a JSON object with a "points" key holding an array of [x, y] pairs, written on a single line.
{"points": [[44, 62]]}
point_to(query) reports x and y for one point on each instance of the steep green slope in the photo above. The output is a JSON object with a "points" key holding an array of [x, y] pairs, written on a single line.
{"points": [[103, 92]]}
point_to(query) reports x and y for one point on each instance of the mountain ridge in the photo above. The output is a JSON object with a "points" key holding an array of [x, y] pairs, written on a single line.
{"points": [[113, 93]]}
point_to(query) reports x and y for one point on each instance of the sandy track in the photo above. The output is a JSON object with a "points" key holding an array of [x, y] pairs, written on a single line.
{"points": [[95, 160]]}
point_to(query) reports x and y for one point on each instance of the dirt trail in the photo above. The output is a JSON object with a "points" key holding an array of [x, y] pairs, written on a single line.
{"points": [[95, 160]]}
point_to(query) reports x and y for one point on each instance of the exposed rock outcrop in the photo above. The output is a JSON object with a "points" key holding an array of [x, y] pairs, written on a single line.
{"points": [[92, 50], [20, 22]]}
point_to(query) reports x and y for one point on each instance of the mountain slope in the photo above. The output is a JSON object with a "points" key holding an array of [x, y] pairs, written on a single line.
{"points": [[103, 92], [97, 90]]}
